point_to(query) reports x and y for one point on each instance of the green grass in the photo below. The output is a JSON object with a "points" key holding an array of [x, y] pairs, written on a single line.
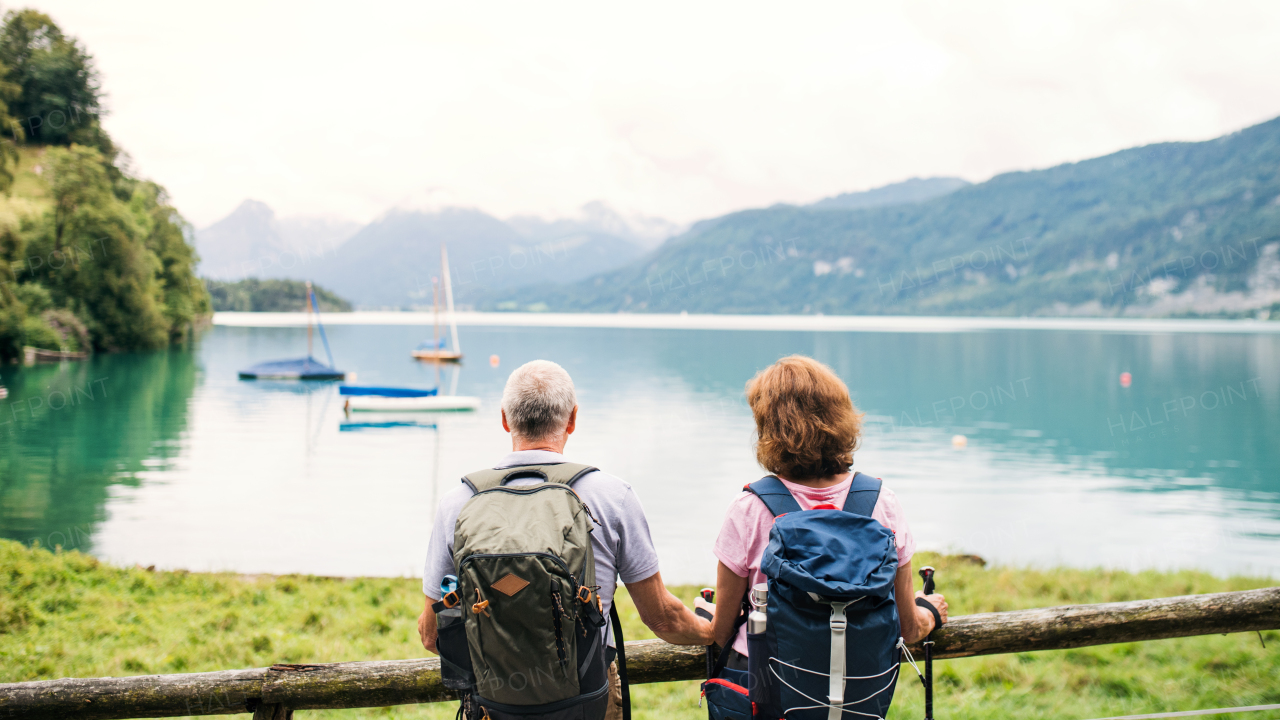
{"points": [[66, 614]]}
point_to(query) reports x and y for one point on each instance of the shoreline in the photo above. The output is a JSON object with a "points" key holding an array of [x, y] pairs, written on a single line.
{"points": [[774, 323]]}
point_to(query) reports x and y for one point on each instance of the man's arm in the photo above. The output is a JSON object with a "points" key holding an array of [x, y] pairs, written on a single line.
{"points": [[439, 560], [427, 627], [665, 615]]}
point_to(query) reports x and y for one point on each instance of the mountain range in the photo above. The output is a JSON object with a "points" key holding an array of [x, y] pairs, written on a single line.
{"points": [[1170, 229], [390, 262], [252, 242]]}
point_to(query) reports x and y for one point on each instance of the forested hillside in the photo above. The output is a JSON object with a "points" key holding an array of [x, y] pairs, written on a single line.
{"points": [[91, 257], [1174, 229], [272, 295]]}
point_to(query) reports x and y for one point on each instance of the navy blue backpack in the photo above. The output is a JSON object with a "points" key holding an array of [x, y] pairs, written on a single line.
{"points": [[833, 641]]}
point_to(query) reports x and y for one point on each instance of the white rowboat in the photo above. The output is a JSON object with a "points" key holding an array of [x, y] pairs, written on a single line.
{"points": [[434, 403]]}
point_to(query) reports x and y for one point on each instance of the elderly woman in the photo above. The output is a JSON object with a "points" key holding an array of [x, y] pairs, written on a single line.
{"points": [[807, 431]]}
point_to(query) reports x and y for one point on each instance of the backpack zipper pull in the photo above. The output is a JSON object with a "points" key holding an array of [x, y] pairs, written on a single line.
{"points": [[481, 605]]}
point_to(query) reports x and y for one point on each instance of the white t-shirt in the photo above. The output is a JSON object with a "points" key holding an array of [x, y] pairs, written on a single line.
{"points": [[622, 545]]}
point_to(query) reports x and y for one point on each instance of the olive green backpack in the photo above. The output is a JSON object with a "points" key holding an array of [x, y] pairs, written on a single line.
{"points": [[522, 634]]}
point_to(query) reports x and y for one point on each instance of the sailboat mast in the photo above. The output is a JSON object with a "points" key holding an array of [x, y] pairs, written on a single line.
{"points": [[448, 297], [435, 316], [310, 308]]}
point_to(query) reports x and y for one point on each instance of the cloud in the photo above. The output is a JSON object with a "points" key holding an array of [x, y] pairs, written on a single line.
{"points": [[668, 109]]}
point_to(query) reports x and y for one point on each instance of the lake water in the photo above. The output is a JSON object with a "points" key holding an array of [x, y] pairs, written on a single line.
{"points": [[168, 459]]}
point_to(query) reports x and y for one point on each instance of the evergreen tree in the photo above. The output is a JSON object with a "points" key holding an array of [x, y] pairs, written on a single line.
{"points": [[59, 97]]}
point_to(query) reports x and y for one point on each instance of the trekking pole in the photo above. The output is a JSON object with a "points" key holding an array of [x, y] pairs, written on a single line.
{"points": [[710, 596], [926, 573]]}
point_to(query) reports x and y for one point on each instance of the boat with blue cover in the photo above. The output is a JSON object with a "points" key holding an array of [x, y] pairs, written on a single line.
{"points": [[307, 368]]}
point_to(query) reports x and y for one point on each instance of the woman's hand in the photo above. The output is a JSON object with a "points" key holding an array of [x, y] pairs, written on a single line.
{"points": [[704, 609], [937, 601]]}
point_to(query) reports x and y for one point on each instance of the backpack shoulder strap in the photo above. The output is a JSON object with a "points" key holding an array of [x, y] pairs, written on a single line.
{"points": [[864, 491], [723, 658], [561, 473], [774, 494], [620, 646]]}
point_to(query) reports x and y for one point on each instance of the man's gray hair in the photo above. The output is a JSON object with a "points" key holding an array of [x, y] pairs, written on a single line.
{"points": [[538, 400]]}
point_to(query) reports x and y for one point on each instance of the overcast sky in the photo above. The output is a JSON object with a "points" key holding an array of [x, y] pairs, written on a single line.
{"points": [[678, 110]]}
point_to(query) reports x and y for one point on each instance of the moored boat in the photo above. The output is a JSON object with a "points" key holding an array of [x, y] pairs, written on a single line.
{"points": [[400, 399], [441, 349], [307, 368]]}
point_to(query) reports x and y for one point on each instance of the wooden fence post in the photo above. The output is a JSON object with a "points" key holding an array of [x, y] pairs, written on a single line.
{"points": [[272, 712]]}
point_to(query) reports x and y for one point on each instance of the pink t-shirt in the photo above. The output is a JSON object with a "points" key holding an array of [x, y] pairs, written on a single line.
{"points": [[745, 532]]}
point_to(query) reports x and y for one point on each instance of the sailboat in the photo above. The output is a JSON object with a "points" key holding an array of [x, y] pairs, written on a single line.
{"points": [[436, 351], [307, 368], [370, 399]]}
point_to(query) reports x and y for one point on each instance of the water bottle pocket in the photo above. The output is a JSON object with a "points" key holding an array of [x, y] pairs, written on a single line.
{"points": [[455, 656], [760, 680]]}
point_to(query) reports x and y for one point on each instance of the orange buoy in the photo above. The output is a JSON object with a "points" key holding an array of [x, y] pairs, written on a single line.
{"points": [[1125, 379], [493, 361], [959, 441]]}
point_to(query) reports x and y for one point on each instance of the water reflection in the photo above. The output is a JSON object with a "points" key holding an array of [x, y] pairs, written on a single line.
{"points": [[70, 432], [176, 462]]}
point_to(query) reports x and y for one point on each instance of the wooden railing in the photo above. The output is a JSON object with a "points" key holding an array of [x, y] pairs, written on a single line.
{"points": [[272, 693]]}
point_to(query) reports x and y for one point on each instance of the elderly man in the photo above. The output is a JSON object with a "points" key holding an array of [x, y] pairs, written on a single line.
{"points": [[540, 410]]}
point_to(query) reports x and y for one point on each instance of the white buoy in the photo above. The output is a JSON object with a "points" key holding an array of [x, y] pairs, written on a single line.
{"points": [[959, 441]]}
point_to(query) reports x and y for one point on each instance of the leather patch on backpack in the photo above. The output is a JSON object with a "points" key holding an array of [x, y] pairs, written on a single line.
{"points": [[509, 584]]}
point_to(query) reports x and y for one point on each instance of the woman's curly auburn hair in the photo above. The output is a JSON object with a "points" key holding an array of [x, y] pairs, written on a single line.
{"points": [[806, 425]]}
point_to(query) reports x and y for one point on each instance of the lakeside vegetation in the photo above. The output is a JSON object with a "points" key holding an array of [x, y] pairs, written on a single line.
{"points": [[91, 256], [66, 614], [254, 295]]}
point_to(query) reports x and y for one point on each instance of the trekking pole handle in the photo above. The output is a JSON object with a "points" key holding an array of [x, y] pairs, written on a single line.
{"points": [[926, 573], [709, 596]]}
